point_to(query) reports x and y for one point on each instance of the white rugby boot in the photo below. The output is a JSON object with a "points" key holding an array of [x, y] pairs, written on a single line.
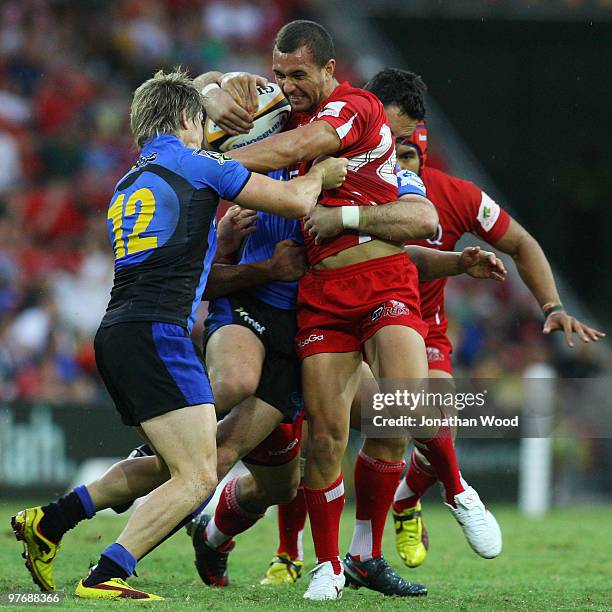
{"points": [[479, 525], [324, 584]]}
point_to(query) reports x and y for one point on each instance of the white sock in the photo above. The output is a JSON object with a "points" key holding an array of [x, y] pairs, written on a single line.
{"points": [[300, 546], [361, 544], [214, 536], [403, 491]]}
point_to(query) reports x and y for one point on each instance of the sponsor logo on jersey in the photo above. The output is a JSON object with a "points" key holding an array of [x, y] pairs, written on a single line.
{"points": [[247, 318], [312, 338], [332, 109], [392, 308], [283, 451], [434, 354], [220, 158], [488, 213], [143, 160], [437, 239]]}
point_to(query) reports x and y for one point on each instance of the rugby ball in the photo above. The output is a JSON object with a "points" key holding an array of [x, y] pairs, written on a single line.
{"points": [[270, 118]]}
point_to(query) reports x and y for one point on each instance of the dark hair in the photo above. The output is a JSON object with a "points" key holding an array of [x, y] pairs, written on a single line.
{"points": [[406, 89], [309, 34]]}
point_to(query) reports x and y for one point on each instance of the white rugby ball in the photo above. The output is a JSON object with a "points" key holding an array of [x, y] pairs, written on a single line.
{"points": [[270, 118]]}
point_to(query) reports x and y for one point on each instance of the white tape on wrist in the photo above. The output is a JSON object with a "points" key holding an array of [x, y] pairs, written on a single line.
{"points": [[208, 88], [350, 217]]}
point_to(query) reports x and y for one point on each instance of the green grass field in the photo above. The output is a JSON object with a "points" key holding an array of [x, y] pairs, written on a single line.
{"points": [[561, 563]]}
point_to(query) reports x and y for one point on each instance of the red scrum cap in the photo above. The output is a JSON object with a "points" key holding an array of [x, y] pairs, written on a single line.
{"points": [[418, 138]]}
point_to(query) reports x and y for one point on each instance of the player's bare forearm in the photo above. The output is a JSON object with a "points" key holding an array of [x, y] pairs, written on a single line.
{"points": [[412, 217], [536, 272], [213, 76], [475, 262], [531, 263], [296, 198], [289, 148], [534, 269], [433, 264], [226, 279]]}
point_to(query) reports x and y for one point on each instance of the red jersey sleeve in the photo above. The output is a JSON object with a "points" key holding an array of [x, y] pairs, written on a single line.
{"points": [[487, 218], [348, 116]]}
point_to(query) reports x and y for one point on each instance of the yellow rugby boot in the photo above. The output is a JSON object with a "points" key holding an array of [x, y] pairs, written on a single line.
{"points": [[38, 551], [411, 539], [115, 588], [282, 570]]}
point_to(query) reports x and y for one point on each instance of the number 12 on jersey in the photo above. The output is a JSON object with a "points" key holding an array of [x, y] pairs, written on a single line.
{"points": [[135, 214]]}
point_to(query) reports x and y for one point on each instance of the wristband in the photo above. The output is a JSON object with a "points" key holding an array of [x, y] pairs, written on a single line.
{"points": [[208, 88], [350, 217], [551, 307]]}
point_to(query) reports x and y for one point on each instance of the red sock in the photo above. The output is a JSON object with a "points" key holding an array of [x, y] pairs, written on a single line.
{"points": [[440, 452], [324, 509], [291, 521], [230, 519], [375, 484], [419, 478]]}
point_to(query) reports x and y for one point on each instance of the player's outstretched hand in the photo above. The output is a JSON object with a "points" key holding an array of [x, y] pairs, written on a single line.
{"points": [[324, 222], [289, 261], [242, 86], [561, 321], [482, 264], [235, 224], [334, 168]]}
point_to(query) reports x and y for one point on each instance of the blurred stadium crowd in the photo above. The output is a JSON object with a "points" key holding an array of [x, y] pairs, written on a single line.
{"points": [[67, 70]]}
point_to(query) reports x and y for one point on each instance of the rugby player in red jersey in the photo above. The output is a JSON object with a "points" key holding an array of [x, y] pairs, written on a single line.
{"points": [[462, 208], [352, 276]]}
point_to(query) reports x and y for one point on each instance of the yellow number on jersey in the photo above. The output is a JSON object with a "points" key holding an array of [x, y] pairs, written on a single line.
{"points": [[116, 214]]}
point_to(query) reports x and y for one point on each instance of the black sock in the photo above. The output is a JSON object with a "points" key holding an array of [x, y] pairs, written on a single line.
{"points": [[105, 570], [62, 515]]}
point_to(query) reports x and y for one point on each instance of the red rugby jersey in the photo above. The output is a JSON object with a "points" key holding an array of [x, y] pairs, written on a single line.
{"points": [[360, 121], [462, 208]]}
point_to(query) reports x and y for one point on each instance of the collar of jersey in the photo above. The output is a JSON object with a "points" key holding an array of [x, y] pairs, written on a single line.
{"points": [[340, 88], [160, 139]]}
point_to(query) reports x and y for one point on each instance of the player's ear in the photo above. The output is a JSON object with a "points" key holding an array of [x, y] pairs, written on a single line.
{"points": [[330, 68], [184, 120]]}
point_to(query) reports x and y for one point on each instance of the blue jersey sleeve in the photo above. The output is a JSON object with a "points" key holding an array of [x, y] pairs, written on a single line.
{"points": [[215, 170], [409, 183]]}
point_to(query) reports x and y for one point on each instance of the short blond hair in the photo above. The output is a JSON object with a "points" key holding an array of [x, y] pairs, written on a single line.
{"points": [[158, 102]]}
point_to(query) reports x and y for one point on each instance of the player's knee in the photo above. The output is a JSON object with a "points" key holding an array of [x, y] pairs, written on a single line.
{"points": [[197, 484], [328, 445], [234, 387], [203, 487], [286, 496], [271, 494]]}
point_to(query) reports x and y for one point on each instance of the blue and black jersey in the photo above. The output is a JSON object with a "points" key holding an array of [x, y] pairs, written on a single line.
{"points": [[158, 222], [260, 246]]}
